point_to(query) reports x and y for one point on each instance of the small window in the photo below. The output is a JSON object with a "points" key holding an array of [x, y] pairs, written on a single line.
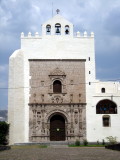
{"points": [[89, 72], [67, 30], [71, 82], [89, 58], [57, 29], [48, 29], [57, 86], [106, 121], [102, 90]]}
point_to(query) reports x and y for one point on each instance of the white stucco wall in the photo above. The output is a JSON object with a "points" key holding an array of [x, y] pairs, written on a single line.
{"points": [[16, 112], [95, 129]]}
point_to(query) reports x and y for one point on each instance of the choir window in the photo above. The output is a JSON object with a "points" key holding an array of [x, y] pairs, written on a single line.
{"points": [[106, 107], [57, 86]]}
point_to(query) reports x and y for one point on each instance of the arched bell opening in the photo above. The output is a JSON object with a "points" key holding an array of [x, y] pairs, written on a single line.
{"points": [[48, 29], [67, 30], [57, 128], [58, 29]]}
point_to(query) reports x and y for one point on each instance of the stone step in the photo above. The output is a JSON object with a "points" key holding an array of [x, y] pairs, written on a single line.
{"points": [[58, 146], [57, 143]]}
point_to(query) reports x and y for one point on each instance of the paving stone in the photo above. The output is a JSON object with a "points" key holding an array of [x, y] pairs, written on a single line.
{"points": [[60, 154]]}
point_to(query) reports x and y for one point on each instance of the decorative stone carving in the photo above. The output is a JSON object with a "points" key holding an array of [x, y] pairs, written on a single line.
{"points": [[71, 98], [80, 126], [69, 102], [79, 98], [72, 128], [34, 95], [57, 99], [48, 126], [40, 126], [57, 72], [42, 98], [76, 116]]}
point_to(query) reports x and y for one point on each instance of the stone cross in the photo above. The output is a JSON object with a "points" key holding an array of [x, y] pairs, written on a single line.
{"points": [[57, 11]]}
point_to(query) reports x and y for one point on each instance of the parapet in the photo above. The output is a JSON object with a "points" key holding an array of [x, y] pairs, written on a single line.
{"points": [[76, 35], [36, 35], [85, 34]]}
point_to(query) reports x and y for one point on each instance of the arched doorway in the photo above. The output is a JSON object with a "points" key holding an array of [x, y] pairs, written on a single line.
{"points": [[57, 128]]}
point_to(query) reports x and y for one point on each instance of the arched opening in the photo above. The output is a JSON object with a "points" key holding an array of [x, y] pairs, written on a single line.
{"points": [[57, 29], [57, 87], [102, 90], [57, 128], [106, 107], [67, 30], [48, 29]]}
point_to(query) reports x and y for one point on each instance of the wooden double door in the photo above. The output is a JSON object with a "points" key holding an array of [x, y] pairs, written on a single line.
{"points": [[57, 128]]}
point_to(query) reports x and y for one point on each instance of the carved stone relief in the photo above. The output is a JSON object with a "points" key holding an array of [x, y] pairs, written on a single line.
{"points": [[57, 99], [76, 116], [41, 127], [71, 98], [57, 72], [42, 98]]}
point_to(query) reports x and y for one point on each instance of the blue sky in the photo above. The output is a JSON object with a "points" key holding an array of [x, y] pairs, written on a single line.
{"points": [[100, 16]]}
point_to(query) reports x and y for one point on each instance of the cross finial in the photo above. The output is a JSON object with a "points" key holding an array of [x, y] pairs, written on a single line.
{"points": [[57, 11]]}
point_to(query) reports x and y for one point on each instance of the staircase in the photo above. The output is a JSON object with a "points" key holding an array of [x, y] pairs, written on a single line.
{"points": [[50, 144], [58, 144]]}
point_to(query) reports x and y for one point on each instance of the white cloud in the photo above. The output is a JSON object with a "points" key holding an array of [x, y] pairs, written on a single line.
{"points": [[3, 68]]}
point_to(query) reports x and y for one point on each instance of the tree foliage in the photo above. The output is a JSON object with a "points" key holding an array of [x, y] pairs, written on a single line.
{"points": [[77, 143], [4, 130], [112, 140]]}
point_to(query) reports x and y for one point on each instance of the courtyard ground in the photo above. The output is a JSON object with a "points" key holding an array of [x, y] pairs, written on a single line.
{"points": [[79, 153]]}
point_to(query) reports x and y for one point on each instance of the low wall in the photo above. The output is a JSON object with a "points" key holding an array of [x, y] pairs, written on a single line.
{"points": [[2, 148], [114, 147]]}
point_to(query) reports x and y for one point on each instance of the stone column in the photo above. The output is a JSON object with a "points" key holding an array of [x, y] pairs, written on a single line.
{"points": [[80, 121], [72, 126]]}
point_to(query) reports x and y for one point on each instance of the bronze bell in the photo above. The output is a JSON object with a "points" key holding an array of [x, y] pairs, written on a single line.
{"points": [[57, 30], [48, 29], [67, 31]]}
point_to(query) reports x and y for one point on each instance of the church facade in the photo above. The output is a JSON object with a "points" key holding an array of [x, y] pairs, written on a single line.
{"points": [[54, 94]]}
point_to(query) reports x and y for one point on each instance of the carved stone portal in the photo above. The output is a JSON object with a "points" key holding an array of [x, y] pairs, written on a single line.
{"points": [[40, 116]]}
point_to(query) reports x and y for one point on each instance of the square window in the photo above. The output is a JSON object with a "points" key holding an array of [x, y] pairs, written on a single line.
{"points": [[106, 121]]}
